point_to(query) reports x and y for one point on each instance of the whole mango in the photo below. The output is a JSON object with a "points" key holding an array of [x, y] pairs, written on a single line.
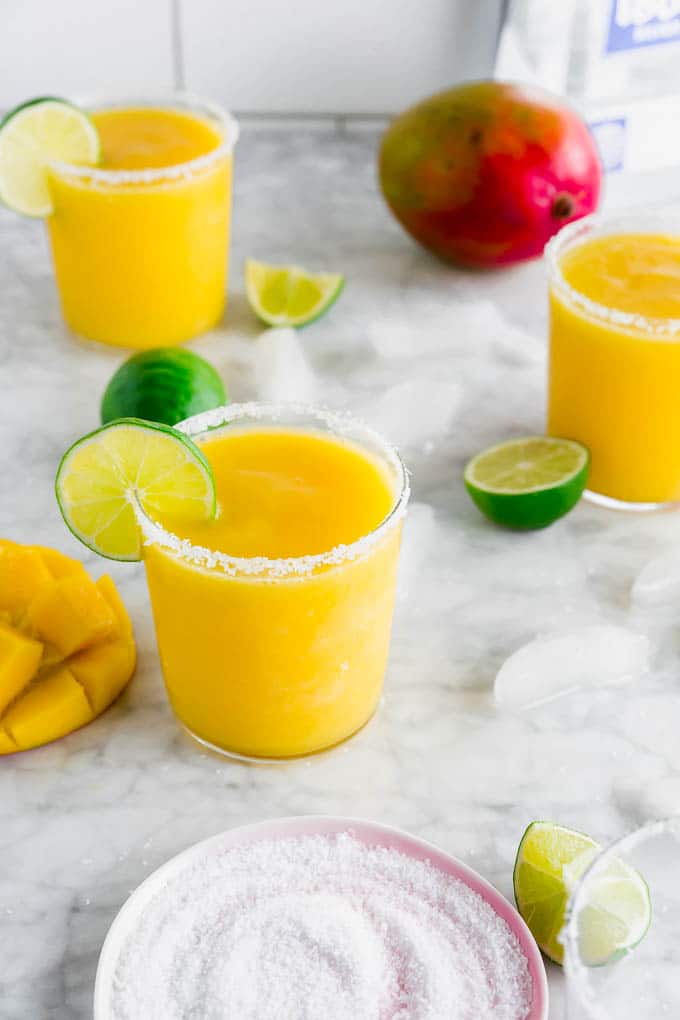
{"points": [[485, 173]]}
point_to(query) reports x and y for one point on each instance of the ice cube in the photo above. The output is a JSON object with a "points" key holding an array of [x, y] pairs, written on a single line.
{"points": [[281, 369], [416, 411], [658, 583], [394, 336], [558, 664], [469, 328]]}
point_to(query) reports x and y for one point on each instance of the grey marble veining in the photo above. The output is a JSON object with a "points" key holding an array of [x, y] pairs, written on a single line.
{"points": [[446, 361]]}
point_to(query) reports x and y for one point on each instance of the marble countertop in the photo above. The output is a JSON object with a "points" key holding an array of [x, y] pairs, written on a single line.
{"points": [[445, 362]]}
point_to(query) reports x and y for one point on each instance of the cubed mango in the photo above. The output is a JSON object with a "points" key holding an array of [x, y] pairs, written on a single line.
{"points": [[19, 660], [71, 614], [84, 656], [104, 670], [58, 564], [110, 593], [22, 575], [51, 709], [7, 745]]}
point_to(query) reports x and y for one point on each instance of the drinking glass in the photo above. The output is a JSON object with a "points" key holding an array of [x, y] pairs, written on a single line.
{"points": [[644, 982], [614, 376], [277, 658], [140, 256]]}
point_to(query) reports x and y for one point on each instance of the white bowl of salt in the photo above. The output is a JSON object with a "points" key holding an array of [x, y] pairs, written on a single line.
{"points": [[317, 917]]}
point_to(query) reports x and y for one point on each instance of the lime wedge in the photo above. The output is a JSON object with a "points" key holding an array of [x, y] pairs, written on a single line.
{"points": [[105, 475], [550, 859], [530, 482], [166, 384], [32, 136], [289, 295]]}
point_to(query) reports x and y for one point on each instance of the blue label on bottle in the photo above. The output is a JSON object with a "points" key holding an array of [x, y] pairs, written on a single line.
{"points": [[635, 23], [610, 138]]}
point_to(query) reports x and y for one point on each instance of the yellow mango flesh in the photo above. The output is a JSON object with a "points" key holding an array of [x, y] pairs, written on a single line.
{"points": [[110, 593], [19, 660], [7, 745], [71, 614], [66, 646], [58, 564], [51, 709], [104, 670], [22, 575]]}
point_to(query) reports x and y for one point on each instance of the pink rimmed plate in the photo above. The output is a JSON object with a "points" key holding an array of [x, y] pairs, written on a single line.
{"points": [[370, 833]]}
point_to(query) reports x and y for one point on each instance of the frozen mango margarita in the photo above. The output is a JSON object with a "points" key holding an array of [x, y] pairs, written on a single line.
{"points": [[140, 241], [614, 376], [270, 536], [273, 620]]}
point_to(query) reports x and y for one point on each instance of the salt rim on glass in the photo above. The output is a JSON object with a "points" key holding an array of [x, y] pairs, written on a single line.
{"points": [[641, 221], [498, 937], [96, 177], [340, 424]]}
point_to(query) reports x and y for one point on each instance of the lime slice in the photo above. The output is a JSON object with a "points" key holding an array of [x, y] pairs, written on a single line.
{"points": [[33, 135], [550, 860], [167, 384], [104, 476], [529, 482], [289, 295]]}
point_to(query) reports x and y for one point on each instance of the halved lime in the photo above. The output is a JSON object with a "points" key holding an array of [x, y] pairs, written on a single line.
{"points": [[166, 384], [529, 482], [550, 859], [32, 136], [290, 295], [104, 476]]}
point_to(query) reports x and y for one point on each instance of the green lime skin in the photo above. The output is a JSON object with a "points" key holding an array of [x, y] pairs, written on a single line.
{"points": [[165, 384], [529, 511], [31, 102]]}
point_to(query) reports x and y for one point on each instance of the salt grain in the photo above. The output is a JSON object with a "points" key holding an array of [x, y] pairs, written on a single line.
{"points": [[318, 926], [337, 422]]}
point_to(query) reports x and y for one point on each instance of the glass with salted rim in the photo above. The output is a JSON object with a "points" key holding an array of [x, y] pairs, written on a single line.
{"points": [[642, 982], [614, 376], [277, 658], [140, 256]]}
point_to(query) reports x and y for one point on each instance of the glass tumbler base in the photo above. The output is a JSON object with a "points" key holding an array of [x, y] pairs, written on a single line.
{"points": [[621, 504], [252, 759]]}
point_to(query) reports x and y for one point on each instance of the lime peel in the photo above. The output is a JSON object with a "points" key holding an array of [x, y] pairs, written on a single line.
{"points": [[105, 477], [165, 385], [528, 482], [33, 135], [290, 295], [550, 860]]}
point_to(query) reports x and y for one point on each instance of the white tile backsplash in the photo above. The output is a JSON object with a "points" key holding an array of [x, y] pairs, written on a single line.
{"points": [[353, 56], [262, 56], [81, 48]]}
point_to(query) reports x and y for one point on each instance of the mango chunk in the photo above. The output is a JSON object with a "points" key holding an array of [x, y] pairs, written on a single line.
{"points": [[58, 564], [19, 659], [104, 670], [110, 593], [7, 745], [51, 709], [22, 575], [66, 646], [71, 614]]}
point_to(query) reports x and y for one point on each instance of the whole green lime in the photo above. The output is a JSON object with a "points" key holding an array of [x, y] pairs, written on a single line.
{"points": [[166, 385]]}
